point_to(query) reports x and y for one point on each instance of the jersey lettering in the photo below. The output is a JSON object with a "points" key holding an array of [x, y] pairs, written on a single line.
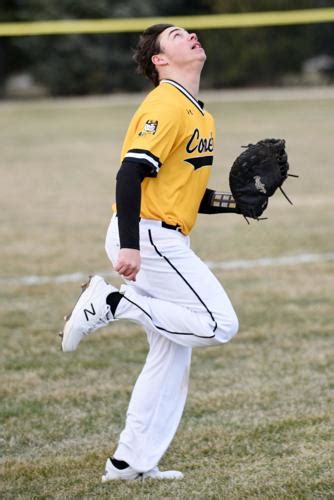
{"points": [[199, 144]]}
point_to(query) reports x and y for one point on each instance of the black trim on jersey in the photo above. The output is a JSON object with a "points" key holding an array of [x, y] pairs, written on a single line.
{"points": [[144, 157], [184, 279], [198, 104], [200, 161]]}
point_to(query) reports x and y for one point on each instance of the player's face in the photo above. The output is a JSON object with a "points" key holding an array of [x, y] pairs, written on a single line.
{"points": [[180, 46]]}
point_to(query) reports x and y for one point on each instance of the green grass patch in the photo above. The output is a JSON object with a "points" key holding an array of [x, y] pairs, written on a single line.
{"points": [[259, 417]]}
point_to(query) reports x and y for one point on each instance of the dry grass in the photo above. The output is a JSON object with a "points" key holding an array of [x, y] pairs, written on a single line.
{"points": [[259, 418]]}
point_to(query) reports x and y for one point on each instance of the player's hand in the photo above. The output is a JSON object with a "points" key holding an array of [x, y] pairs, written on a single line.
{"points": [[128, 263]]}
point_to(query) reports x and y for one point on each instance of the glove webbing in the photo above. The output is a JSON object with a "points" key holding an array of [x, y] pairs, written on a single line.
{"points": [[284, 193]]}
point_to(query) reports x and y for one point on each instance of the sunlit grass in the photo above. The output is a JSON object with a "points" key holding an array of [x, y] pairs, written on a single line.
{"points": [[259, 418]]}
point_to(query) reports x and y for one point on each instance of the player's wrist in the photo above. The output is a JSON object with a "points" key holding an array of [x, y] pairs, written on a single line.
{"points": [[130, 249], [130, 245], [224, 200]]}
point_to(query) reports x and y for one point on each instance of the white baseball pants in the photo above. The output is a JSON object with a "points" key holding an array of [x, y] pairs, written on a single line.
{"points": [[181, 305]]}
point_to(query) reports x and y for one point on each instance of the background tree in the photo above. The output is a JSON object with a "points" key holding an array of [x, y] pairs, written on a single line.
{"points": [[84, 64]]}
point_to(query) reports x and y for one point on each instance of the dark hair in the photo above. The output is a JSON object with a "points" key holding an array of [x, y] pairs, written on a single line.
{"points": [[147, 47]]}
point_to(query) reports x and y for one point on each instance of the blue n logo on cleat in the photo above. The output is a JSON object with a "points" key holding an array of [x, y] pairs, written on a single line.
{"points": [[87, 311]]}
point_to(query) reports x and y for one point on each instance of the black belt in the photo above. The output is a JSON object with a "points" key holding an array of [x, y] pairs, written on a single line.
{"points": [[165, 225], [170, 226]]}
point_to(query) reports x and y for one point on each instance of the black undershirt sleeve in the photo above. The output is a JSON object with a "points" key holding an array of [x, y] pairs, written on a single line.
{"points": [[128, 199]]}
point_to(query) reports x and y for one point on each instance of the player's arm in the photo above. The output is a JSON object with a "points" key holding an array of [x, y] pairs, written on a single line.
{"points": [[148, 148], [128, 198], [217, 202]]}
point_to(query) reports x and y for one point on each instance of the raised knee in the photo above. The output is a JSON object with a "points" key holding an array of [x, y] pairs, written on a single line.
{"points": [[234, 326], [229, 328]]}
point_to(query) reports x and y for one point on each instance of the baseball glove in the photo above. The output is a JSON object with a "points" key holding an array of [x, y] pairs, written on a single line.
{"points": [[256, 174]]}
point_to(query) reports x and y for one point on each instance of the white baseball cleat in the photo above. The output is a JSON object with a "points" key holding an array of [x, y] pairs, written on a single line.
{"points": [[111, 473], [156, 473], [90, 312]]}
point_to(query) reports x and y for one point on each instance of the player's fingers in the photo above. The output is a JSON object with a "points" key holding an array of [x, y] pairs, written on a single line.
{"points": [[124, 267], [121, 267], [131, 276], [129, 271]]}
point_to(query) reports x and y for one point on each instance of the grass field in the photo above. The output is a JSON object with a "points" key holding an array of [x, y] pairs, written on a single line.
{"points": [[259, 418]]}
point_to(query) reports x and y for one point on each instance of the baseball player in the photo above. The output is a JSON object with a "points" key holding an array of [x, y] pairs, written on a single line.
{"points": [[166, 161]]}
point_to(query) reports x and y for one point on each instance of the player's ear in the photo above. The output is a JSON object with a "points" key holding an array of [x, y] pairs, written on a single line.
{"points": [[159, 60]]}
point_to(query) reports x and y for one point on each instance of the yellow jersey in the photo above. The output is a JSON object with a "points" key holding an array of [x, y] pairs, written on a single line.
{"points": [[173, 135]]}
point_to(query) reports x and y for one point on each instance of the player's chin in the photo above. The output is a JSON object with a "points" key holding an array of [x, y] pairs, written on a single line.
{"points": [[201, 54]]}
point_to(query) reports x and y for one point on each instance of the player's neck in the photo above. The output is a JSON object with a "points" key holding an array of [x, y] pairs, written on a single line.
{"points": [[189, 81]]}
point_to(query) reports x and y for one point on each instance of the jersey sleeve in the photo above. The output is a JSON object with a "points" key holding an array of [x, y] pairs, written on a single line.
{"points": [[154, 131]]}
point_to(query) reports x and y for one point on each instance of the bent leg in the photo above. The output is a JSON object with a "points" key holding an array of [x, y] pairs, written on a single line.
{"points": [[180, 304], [175, 293], [177, 323]]}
